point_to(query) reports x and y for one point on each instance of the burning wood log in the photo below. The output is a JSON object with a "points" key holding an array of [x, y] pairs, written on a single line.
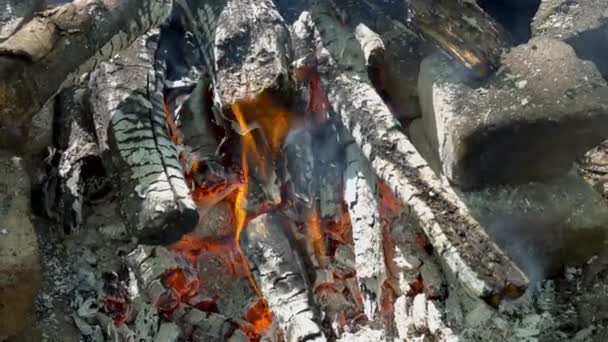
{"points": [[329, 168], [361, 196], [155, 201], [280, 279], [164, 278], [225, 278], [299, 174], [56, 46], [464, 248]]}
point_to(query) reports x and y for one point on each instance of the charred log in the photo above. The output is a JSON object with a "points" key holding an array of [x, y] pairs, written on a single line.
{"points": [[464, 30], [280, 278], [155, 201], [361, 197], [465, 249], [56, 46], [81, 173]]}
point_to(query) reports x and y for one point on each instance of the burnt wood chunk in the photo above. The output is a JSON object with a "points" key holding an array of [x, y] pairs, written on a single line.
{"points": [[464, 248], [81, 173], [154, 199], [251, 50], [54, 48], [463, 29], [279, 277], [361, 197]]}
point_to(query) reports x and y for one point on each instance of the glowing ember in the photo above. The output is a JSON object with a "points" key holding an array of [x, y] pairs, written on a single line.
{"points": [[340, 232], [183, 285], [174, 132], [316, 237], [260, 317]]}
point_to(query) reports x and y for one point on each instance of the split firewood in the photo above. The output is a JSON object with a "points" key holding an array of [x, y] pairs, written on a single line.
{"points": [[463, 246], [155, 201], [54, 48], [463, 29], [280, 279], [361, 197]]}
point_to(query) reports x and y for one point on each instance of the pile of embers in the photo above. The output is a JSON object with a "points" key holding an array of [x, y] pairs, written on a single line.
{"points": [[267, 187]]}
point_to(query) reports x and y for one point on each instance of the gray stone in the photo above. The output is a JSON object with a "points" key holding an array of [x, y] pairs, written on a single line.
{"points": [[19, 258], [415, 132], [544, 226], [528, 122], [581, 23]]}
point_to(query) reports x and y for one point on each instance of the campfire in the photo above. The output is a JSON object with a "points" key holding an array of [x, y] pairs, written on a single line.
{"points": [[265, 175]]}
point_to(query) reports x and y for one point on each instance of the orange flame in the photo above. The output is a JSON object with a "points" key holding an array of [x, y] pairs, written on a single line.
{"points": [[174, 132], [262, 316], [184, 286], [315, 236]]}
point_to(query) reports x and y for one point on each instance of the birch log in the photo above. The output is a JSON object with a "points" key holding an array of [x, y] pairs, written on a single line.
{"points": [[465, 249], [155, 201], [58, 45]]}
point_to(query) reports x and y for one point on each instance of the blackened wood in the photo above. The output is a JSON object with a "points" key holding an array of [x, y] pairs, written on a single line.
{"points": [[81, 173], [463, 29], [461, 243], [58, 45], [155, 201]]}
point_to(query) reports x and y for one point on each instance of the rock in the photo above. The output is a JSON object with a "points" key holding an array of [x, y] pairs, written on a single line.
{"points": [[15, 13], [40, 131], [527, 122], [398, 77], [415, 132], [19, 259], [581, 23], [544, 226]]}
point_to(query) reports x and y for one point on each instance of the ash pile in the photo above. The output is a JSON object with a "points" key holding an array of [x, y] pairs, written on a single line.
{"points": [[240, 170]]}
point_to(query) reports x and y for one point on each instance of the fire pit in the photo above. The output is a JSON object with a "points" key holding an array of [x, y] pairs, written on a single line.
{"points": [[257, 170]]}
